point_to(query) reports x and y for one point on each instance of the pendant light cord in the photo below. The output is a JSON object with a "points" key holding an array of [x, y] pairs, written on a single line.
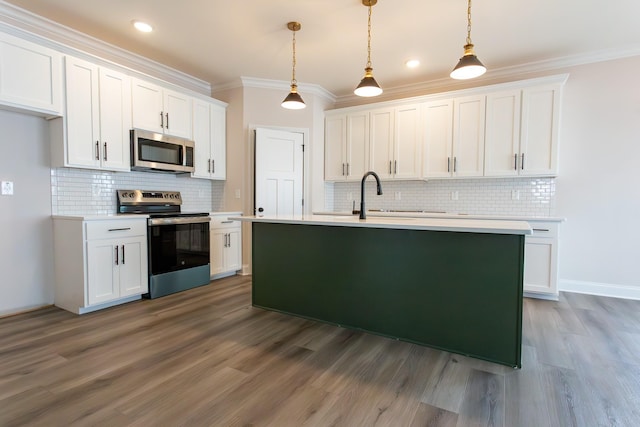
{"points": [[369, 39], [293, 73], [469, 23]]}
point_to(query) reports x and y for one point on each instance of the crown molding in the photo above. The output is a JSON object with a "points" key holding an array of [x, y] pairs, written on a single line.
{"points": [[515, 71], [281, 85], [35, 28]]}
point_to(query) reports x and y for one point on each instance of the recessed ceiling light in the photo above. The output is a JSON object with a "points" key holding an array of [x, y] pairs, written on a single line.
{"points": [[412, 63], [142, 26]]}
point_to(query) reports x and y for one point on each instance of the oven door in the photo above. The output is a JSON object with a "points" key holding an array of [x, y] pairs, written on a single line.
{"points": [[178, 243]]}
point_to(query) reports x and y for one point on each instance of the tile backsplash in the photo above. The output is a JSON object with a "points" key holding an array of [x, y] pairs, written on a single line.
{"points": [[511, 196], [92, 192]]}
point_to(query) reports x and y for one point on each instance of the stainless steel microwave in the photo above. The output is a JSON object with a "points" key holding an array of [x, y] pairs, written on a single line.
{"points": [[155, 152]]}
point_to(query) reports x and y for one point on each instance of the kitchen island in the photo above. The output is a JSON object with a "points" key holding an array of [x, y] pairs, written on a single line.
{"points": [[452, 284]]}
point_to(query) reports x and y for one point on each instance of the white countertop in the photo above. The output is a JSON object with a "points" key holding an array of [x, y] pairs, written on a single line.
{"points": [[403, 223], [80, 217], [426, 214]]}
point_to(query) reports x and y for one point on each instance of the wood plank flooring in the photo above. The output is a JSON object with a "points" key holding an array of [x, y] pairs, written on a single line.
{"points": [[205, 357]]}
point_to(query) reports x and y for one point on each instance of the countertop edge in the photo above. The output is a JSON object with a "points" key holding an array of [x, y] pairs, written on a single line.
{"points": [[447, 215], [464, 225]]}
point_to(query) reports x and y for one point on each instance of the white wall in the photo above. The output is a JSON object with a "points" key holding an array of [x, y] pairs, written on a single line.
{"points": [[26, 237], [598, 189]]}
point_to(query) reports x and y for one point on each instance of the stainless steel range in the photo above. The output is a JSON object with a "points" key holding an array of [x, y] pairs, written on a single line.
{"points": [[178, 242]]}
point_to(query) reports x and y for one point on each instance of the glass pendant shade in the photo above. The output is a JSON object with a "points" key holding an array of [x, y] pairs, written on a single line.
{"points": [[469, 65], [368, 85], [293, 101]]}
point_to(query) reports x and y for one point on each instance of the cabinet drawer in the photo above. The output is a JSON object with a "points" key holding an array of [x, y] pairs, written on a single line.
{"points": [[115, 229], [544, 229], [223, 221]]}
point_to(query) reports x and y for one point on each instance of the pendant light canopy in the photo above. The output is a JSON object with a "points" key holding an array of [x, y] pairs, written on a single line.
{"points": [[469, 65], [368, 85], [293, 101]]}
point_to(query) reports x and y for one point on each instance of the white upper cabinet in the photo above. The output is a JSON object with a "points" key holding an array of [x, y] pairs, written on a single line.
{"points": [[30, 76], [381, 142], [454, 137], [502, 139], [209, 135], [346, 146], [468, 136], [407, 143], [98, 117], [161, 110], [539, 130], [437, 126]]}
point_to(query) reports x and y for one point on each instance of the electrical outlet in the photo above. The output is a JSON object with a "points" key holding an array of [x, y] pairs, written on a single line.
{"points": [[515, 194], [237, 193], [454, 195], [397, 195], [7, 188]]}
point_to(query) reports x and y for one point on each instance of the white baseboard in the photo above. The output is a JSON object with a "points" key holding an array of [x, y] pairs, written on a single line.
{"points": [[602, 289]]}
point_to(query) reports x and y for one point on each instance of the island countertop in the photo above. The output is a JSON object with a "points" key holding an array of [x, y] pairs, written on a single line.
{"points": [[429, 224]]}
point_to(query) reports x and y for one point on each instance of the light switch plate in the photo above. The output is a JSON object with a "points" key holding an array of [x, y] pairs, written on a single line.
{"points": [[7, 188]]}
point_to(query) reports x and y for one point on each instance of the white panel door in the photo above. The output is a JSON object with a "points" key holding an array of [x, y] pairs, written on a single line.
{"points": [[357, 149], [177, 114], [381, 143], [218, 142], [539, 137], [202, 138], [102, 283], [335, 141], [407, 142], [133, 267], [278, 172], [147, 102], [502, 138], [468, 136]]}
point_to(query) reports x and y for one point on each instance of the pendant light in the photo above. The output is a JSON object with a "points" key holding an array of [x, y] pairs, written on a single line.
{"points": [[294, 101], [368, 85], [469, 65]]}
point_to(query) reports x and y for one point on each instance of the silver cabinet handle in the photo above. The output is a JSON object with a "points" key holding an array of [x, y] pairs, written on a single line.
{"points": [[455, 164], [213, 165], [515, 161], [97, 150], [448, 164], [161, 120], [522, 162], [122, 254], [347, 169], [395, 167], [209, 165], [541, 229], [105, 152], [227, 222], [120, 229], [116, 248], [389, 167], [167, 116], [228, 240]]}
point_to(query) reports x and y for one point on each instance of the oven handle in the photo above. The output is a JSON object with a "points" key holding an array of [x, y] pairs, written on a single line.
{"points": [[180, 220]]}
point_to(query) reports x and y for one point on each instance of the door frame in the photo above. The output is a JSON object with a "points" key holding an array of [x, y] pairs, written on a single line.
{"points": [[306, 163]]}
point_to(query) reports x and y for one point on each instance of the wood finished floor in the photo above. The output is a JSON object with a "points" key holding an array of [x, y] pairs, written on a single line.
{"points": [[205, 357]]}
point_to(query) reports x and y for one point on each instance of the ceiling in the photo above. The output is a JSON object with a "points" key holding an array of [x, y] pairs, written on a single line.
{"points": [[220, 40]]}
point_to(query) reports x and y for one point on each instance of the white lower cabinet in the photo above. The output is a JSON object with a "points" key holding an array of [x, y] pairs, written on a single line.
{"points": [[99, 263], [226, 244], [541, 261]]}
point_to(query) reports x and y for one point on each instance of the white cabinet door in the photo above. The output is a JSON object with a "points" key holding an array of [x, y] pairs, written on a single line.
{"points": [[102, 284], [540, 266], [381, 132], [115, 119], [468, 136], [218, 142], [233, 253], [98, 116], [438, 139], [177, 114], [502, 138], [147, 103], [539, 130], [30, 76], [217, 247], [202, 139], [407, 150], [133, 273], [83, 143], [335, 143], [357, 148]]}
